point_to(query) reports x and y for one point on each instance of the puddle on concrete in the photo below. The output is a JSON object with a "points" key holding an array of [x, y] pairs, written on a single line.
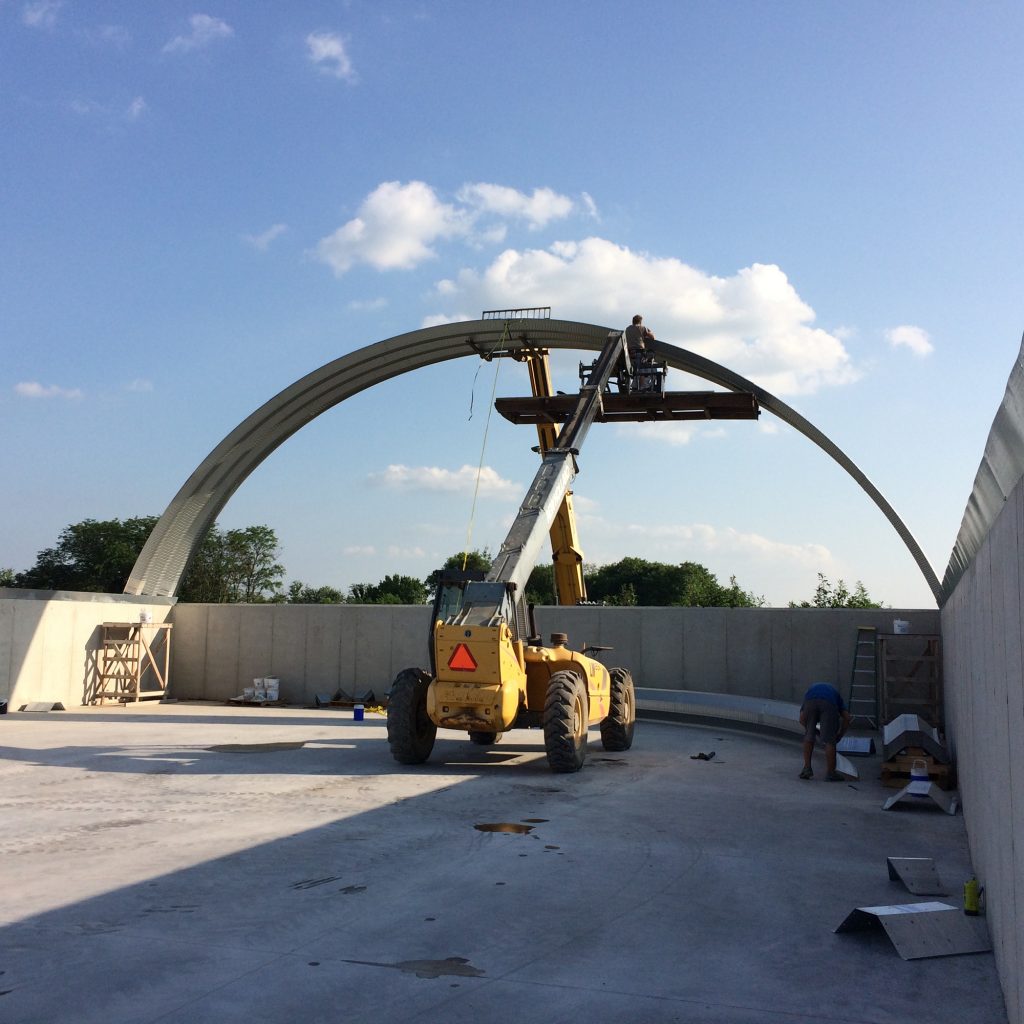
{"points": [[254, 748], [452, 967], [312, 883], [350, 889], [536, 821], [504, 826], [552, 847], [609, 760]]}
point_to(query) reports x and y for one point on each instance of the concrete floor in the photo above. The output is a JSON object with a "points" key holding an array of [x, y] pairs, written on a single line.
{"points": [[148, 877]]}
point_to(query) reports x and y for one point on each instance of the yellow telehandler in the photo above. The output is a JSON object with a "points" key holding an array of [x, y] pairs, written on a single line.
{"points": [[490, 671]]}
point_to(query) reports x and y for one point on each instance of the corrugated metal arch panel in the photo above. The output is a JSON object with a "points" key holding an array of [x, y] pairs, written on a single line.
{"points": [[194, 509], [1001, 469]]}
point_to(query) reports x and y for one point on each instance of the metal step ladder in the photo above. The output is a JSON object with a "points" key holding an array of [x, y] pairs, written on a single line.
{"points": [[863, 702]]}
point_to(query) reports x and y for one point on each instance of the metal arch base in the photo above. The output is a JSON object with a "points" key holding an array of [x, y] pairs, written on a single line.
{"points": [[193, 510]]}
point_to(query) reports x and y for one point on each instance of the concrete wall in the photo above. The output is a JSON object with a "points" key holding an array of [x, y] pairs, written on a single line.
{"points": [[49, 641], [983, 637], [48, 645], [759, 652]]}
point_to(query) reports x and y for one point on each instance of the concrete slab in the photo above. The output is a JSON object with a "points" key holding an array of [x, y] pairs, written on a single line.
{"points": [[147, 877]]}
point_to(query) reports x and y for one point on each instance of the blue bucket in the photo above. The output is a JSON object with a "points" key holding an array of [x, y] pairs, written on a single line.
{"points": [[357, 712]]}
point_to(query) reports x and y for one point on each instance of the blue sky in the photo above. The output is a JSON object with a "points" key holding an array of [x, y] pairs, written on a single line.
{"points": [[200, 204]]}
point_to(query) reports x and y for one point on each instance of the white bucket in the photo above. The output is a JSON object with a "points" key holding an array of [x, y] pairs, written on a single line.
{"points": [[273, 687], [145, 616], [900, 626], [249, 693]]}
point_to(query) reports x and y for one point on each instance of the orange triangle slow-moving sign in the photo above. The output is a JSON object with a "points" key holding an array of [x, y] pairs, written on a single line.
{"points": [[462, 659]]}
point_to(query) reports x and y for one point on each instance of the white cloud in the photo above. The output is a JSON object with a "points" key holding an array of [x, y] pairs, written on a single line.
{"points": [[589, 205], [136, 109], [674, 433], [361, 550], [436, 478], [368, 305], [394, 230], [86, 107], [262, 242], [111, 35], [753, 321], [684, 539], [914, 338], [328, 52], [398, 225], [41, 13], [140, 385], [204, 31], [33, 389], [395, 551], [537, 209]]}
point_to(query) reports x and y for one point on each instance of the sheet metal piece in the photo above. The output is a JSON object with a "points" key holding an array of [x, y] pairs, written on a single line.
{"points": [[920, 930], [856, 746], [180, 530], [916, 792], [912, 731], [918, 874]]}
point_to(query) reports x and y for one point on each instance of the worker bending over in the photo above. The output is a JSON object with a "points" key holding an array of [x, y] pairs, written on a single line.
{"points": [[823, 704]]}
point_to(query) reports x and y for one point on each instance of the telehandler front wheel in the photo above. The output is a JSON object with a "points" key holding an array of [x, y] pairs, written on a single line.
{"points": [[617, 727], [565, 722], [411, 733], [485, 739]]}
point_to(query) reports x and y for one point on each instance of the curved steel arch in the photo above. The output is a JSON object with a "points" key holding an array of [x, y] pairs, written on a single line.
{"points": [[193, 510]]}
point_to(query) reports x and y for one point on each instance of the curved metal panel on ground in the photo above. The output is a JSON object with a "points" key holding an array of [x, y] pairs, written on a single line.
{"points": [[1001, 469], [195, 507]]}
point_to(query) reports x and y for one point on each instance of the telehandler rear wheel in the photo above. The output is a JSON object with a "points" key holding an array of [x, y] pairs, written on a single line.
{"points": [[411, 733], [617, 727], [565, 722], [485, 739]]}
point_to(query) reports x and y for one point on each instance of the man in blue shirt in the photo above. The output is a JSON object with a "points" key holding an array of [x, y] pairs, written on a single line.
{"points": [[823, 705]]}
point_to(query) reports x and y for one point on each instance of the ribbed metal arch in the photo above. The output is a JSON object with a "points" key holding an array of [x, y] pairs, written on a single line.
{"points": [[193, 510]]}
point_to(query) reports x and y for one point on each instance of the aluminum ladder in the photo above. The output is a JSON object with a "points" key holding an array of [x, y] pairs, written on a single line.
{"points": [[863, 702]]}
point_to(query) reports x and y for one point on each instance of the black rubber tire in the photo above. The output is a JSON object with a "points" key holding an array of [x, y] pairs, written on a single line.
{"points": [[617, 727], [565, 722], [411, 733], [485, 739]]}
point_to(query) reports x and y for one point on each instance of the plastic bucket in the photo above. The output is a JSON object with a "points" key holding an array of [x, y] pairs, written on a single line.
{"points": [[357, 713], [273, 687]]}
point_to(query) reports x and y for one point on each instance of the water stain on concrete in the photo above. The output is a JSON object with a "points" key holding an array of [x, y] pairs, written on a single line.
{"points": [[504, 826], [254, 748], [450, 967]]}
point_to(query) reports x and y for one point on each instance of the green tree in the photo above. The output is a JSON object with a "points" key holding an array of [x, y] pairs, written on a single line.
{"points": [[476, 561], [252, 573], [638, 581], [97, 556], [7, 578], [839, 596], [299, 593], [540, 587], [93, 556], [391, 590]]}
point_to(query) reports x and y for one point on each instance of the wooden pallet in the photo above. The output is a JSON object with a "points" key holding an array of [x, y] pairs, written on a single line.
{"points": [[241, 702], [896, 771]]}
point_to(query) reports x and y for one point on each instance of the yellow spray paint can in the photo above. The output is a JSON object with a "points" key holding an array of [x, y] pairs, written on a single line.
{"points": [[972, 897]]}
